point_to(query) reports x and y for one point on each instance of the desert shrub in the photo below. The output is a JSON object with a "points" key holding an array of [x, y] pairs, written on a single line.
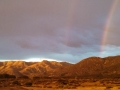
{"points": [[49, 86], [36, 78], [73, 87], [60, 86], [108, 87], [12, 76], [62, 81], [7, 76], [67, 87], [16, 83], [28, 84], [24, 77]]}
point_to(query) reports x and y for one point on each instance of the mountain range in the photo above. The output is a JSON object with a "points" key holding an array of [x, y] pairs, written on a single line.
{"points": [[92, 66]]}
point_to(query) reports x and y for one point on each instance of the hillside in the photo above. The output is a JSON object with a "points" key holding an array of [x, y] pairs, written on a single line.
{"points": [[94, 66], [44, 68], [89, 67], [31, 69], [13, 67], [86, 67]]}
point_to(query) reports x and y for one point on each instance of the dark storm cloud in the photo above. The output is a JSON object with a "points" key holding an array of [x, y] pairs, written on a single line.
{"points": [[56, 29]]}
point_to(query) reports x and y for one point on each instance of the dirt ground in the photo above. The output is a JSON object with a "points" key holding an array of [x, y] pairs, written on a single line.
{"points": [[79, 88], [60, 84]]}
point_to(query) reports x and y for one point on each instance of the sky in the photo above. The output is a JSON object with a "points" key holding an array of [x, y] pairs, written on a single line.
{"points": [[62, 30]]}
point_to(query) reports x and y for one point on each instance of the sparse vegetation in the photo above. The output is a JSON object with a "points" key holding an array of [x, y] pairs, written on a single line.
{"points": [[28, 84], [7, 76], [16, 83], [82, 74], [62, 83]]}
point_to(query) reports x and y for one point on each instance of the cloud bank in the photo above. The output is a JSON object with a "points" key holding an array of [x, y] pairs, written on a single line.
{"points": [[64, 30]]}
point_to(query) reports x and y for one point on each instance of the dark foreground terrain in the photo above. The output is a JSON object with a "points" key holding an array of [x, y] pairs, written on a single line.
{"points": [[60, 84], [92, 73]]}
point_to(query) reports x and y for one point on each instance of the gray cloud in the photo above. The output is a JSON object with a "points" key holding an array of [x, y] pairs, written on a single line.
{"points": [[64, 30]]}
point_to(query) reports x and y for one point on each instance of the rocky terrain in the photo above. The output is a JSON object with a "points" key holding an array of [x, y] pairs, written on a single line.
{"points": [[93, 73], [31, 69], [89, 67], [94, 66]]}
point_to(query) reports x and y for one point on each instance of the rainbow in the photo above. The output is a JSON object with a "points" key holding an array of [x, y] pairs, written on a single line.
{"points": [[107, 24], [71, 9]]}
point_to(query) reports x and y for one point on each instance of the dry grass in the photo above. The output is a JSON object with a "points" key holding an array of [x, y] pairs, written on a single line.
{"points": [[61, 84], [79, 88]]}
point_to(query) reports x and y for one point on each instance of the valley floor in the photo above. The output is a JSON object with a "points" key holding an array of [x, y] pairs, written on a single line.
{"points": [[60, 84], [79, 88]]}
